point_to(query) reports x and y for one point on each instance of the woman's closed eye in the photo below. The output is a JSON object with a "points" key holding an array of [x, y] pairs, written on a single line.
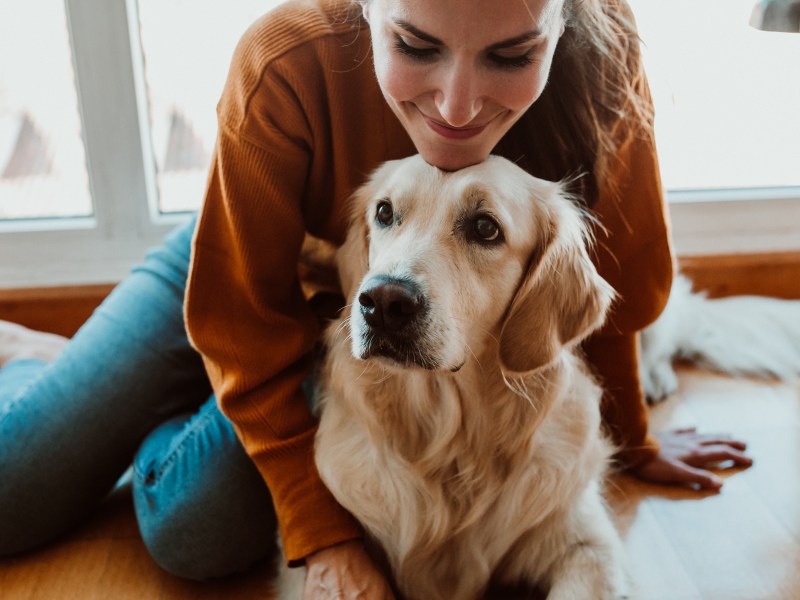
{"points": [[502, 59], [513, 61], [421, 53]]}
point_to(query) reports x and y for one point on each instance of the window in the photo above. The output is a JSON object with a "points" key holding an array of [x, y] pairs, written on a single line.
{"points": [[183, 81], [726, 95], [148, 75], [727, 124], [42, 160], [102, 160]]}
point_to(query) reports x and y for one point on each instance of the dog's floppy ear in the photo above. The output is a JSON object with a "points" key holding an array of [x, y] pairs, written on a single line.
{"points": [[562, 298]]}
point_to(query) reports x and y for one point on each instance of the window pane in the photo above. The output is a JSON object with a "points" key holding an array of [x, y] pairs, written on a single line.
{"points": [[726, 95], [42, 161], [187, 47]]}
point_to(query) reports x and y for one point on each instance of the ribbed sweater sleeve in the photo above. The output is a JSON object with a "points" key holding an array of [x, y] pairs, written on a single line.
{"points": [[247, 315], [245, 310], [633, 253]]}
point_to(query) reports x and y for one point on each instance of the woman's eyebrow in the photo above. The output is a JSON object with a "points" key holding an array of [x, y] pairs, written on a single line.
{"points": [[425, 37], [534, 34], [509, 43]]}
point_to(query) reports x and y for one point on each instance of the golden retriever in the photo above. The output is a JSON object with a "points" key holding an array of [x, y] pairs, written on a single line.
{"points": [[458, 423]]}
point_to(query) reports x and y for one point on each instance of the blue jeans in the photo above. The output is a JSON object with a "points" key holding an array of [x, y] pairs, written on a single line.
{"points": [[129, 388]]}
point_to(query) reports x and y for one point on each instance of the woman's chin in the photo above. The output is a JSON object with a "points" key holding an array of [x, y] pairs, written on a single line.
{"points": [[452, 159]]}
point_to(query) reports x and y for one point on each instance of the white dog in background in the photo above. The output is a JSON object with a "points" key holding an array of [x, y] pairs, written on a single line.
{"points": [[739, 335], [458, 424]]}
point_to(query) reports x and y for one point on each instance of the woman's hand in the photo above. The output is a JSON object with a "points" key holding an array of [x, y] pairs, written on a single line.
{"points": [[685, 456], [344, 572]]}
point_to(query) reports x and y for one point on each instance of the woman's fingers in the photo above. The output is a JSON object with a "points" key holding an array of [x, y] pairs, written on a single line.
{"points": [[718, 453], [723, 440], [694, 476]]}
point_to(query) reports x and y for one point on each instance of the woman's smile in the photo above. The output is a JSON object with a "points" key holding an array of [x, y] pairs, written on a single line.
{"points": [[453, 133]]}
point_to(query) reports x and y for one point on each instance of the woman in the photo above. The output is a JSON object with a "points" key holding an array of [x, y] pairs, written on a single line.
{"points": [[318, 95]]}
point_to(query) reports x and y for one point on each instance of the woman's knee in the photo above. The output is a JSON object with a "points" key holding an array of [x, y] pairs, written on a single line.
{"points": [[202, 507], [21, 521], [42, 491], [192, 546], [36, 504]]}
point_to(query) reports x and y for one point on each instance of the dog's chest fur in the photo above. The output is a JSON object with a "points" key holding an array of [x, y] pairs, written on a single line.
{"points": [[449, 472]]}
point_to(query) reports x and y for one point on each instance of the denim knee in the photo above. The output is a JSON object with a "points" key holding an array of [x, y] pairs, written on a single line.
{"points": [[203, 508], [41, 495]]}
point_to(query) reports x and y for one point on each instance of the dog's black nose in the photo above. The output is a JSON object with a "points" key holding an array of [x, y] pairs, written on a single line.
{"points": [[389, 304]]}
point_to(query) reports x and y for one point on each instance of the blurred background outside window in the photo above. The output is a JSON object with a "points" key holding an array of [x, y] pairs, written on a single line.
{"points": [[42, 161], [727, 96], [187, 47]]}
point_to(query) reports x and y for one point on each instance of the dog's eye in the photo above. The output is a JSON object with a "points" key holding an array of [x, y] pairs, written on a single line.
{"points": [[486, 230], [384, 213]]}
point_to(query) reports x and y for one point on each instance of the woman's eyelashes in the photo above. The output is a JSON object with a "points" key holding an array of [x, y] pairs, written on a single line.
{"points": [[514, 62], [428, 53], [421, 54]]}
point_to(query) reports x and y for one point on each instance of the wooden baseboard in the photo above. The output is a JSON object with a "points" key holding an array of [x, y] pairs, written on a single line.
{"points": [[776, 275], [60, 310], [63, 310]]}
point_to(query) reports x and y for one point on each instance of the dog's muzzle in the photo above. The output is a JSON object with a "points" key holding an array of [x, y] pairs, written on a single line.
{"points": [[394, 311]]}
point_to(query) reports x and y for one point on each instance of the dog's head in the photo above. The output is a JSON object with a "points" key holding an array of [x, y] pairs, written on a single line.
{"points": [[441, 267]]}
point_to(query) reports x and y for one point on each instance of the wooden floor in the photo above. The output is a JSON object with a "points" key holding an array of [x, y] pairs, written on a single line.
{"points": [[740, 544]]}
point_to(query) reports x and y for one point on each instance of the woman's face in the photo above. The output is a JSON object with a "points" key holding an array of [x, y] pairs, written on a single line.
{"points": [[459, 73]]}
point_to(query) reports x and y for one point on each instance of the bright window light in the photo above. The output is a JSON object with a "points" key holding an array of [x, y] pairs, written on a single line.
{"points": [[727, 96], [187, 46], [42, 159]]}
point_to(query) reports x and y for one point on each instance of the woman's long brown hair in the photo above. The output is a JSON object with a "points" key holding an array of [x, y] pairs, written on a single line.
{"points": [[595, 98]]}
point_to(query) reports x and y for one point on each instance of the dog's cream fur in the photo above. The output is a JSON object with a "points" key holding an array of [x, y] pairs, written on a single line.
{"points": [[738, 335], [471, 449]]}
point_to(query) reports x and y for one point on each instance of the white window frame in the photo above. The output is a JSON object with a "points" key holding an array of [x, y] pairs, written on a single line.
{"points": [[122, 178], [121, 167]]}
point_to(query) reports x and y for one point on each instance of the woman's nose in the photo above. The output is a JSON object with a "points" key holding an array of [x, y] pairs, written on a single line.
{"points": [[459, 98]]}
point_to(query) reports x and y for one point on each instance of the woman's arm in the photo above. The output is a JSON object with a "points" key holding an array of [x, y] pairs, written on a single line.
{"points": [[634, 254], [245, 310]]}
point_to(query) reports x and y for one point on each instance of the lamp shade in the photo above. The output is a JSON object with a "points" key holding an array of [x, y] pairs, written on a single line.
{"points": [[776, 15]]}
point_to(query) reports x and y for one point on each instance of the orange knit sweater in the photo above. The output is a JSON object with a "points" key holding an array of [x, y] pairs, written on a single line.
{"points": [[302, 122]]}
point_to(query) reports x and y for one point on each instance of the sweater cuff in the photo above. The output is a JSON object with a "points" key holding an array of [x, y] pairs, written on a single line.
{"points": [[614, 359], [630, 458], [309, 517]]}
